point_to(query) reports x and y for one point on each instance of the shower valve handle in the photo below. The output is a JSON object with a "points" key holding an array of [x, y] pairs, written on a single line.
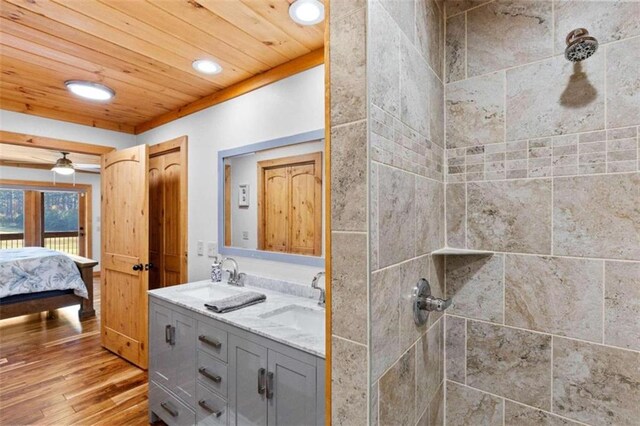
{"points": [[423, 302]]}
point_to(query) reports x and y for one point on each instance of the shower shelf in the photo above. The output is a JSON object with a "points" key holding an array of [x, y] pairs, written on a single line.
{"points": [[459, 252]]}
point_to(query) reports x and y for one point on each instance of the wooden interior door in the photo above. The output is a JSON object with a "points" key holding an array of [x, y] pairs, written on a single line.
{"points": [[125, 253], [168, 213], [290, 204]]}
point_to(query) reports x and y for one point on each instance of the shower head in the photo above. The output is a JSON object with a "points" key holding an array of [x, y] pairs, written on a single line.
{"points": [[580, 45]]}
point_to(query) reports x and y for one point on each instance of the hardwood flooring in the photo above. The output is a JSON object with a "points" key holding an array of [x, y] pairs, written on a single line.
{"points": [[54, 372]]}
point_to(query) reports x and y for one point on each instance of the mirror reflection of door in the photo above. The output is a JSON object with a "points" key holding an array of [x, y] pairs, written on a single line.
{"points": [[290, 204]]}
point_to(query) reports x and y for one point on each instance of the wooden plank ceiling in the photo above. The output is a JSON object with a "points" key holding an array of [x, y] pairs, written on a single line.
{"points": [[143, 49]]}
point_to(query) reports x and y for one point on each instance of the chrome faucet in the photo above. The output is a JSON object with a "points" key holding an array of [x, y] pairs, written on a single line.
{"points": [[235, 278], [314, 284]]}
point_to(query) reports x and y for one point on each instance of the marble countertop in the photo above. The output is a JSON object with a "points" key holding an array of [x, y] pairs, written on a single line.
{"points": [[249, 318]]}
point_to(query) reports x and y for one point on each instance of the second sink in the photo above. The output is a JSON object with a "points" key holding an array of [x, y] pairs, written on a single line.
{"points": [[298, 317]]}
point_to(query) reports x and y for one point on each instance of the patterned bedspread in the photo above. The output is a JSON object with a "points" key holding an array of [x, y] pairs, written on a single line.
{"points": [[36, 269]]}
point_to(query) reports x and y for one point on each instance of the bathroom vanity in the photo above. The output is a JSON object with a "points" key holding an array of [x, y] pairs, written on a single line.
{"points": [[262, 364]]}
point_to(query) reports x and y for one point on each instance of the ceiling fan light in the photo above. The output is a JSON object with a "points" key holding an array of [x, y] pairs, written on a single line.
{"points": [[307, 12], [63, 166], [90, 90]]}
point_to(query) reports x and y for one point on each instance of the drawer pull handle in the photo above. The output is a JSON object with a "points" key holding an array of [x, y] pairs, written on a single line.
{"points": [[208, 375], [203, 404], [261, 383], [269, 385], [210, 341], [167, 406]]}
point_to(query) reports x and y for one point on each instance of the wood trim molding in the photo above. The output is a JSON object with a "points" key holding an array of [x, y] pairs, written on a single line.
{"points": [[176, 144], [327, 211], [22, 139], [280, 72]]}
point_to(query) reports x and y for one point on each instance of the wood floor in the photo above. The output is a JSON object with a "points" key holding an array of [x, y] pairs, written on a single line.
{"points": [[54, 372]]}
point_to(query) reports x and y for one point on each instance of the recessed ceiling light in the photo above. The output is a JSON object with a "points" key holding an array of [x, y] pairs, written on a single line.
{"points": [[90, 90], [307, 12], [206, 66]]}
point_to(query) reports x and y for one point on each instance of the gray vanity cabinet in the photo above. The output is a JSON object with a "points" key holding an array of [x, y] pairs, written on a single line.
{"points": [[208, 372]]}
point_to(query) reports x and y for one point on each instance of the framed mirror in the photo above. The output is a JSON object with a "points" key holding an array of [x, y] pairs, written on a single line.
{"points": [[271, 198]]}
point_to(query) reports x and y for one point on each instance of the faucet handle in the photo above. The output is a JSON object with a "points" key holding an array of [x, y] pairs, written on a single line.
{"points": [[423, 302]]}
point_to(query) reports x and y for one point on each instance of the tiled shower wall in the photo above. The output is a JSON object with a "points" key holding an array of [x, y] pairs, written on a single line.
{"points": [[405, 51], [542, 168]]}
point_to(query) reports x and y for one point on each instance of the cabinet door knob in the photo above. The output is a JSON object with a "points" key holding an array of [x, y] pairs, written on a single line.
{"points": [[203, 403], [261, 382], [210, 341], [169, 408], [208, 375]]}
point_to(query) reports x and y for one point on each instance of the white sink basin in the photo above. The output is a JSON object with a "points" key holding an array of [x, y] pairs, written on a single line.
{"points": [[298, 317], [210, 292]]}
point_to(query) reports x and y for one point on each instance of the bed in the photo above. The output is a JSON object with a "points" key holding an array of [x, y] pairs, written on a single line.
{"points": [[35, 279]]}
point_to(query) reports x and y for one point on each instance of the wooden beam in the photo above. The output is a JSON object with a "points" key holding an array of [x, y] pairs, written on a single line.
{"points": [[22, 139], [280, 72]]}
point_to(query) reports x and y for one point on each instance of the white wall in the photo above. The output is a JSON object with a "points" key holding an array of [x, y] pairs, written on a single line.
{"points": [[84, 178], [244, 170], [287, 107], [34, 125]]}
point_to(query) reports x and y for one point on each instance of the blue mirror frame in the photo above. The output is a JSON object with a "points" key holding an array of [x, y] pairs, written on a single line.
{"points": [[297, 259]]}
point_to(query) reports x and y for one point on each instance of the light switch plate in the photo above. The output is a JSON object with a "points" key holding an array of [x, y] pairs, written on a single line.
{"points": [[245, 235], [200, 248], [211, 249]]}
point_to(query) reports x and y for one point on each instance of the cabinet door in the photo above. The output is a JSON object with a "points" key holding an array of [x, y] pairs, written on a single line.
{"points": [[247, 401], [184, 354], [161, 366], [293, 387]]}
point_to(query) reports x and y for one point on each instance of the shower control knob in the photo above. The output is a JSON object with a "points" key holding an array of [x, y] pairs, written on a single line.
{"points": [[423, 302]]}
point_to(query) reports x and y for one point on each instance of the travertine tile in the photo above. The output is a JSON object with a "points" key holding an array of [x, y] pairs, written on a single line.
{"points": [[429, 365], [348, 177], [476, 286], [430, 34], [469, 407], [349, 286], [385, 326], [414, 83], [519, 415], [509, 362], [397, 392], [595, 384], [453, 7], [384, 51], [622, 304], [555, 96], [373, 216], [456, 215], [456, 329], [342, 8], [475, 111], [623, 81], [436, 408], [429, 233], [507, 33], [455, 49], [404, 15], [557, 295], [373, 405], [436, 110], [405, 276], [348, 68], [510, 216], [606, 20], [597, 216], [396, 216], [437, 283], [348, 383]]}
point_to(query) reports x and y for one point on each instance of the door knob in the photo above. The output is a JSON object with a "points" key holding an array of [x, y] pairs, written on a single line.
{"points": [[138, 267], [423, 302]]}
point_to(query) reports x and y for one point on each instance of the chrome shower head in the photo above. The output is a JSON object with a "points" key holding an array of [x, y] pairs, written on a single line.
{"points": [[580, 45]]}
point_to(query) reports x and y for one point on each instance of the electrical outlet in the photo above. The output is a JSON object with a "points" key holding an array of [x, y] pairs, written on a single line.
{"points": [[245, 235], [200, 248], [211, 249]]}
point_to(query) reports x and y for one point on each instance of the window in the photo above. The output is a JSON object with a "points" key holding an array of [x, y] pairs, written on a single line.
{"points": [[61, 221], [11, 218]]}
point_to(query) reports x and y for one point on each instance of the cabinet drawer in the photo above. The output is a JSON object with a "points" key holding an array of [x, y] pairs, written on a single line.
{"points": [[211, 409], [212, 340], [212, 372], [169, 408]]}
